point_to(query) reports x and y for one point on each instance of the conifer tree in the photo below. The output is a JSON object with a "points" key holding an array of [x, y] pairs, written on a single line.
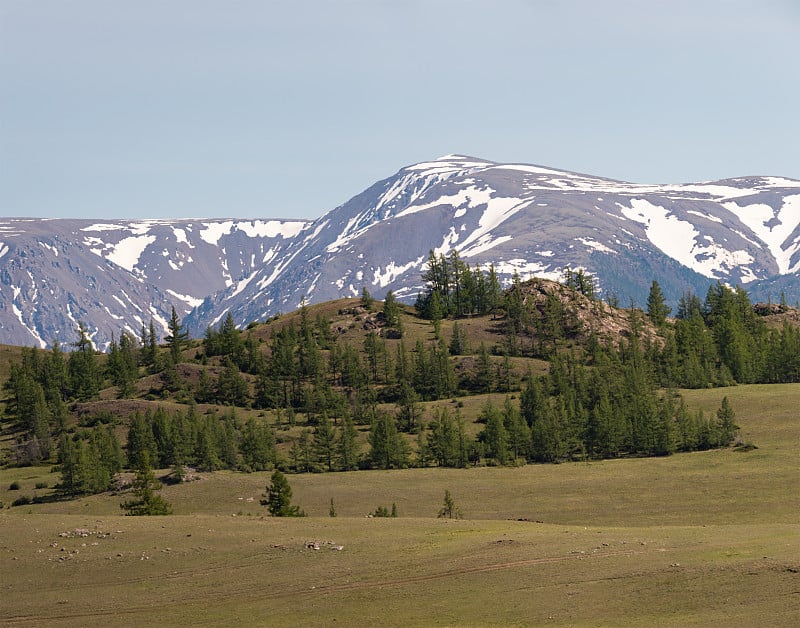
{"points": [[325, 442], [449, 509], [391, 312], [257, 447], [726, 426], [84, 372], [494, 435], [516, 428], [141, 439], [366, 299], [347, 445], [388, 448], [145, 500], [232, 387], [657, 308], [278, 498], [177, 338]]}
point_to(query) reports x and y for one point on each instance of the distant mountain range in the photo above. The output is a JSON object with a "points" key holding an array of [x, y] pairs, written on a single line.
{"points": [[535, 221]]}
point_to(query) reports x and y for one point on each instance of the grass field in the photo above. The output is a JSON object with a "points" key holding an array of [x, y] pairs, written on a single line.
{"points": [[705, 539]]}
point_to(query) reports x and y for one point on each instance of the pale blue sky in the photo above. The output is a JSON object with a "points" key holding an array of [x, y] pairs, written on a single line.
{"points": [[212, 108]]}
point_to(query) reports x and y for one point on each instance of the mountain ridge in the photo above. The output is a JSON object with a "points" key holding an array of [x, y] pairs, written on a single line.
{"points": [[526, 219]]}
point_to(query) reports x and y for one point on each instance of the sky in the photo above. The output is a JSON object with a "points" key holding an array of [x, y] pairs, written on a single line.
{"points": [[286, 109]]}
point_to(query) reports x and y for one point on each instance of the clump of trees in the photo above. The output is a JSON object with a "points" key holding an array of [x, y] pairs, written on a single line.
{"points": [[455, 290]]}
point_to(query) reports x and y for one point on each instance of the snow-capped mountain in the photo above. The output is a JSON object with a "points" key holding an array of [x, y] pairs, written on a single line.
{"points": [[117, 275], [534, 221], [523, 218]]}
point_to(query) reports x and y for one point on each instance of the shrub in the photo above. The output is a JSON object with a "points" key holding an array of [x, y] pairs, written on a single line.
{"points": [[41, 485], [14, 486]]}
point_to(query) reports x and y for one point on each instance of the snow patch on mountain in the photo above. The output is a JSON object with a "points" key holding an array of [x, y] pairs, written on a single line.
{"points": [[212, 232], [673, 236], [529, 169], [347, 234], [597, 246], [180, 237], [483, 244], [772, 227], [716, 219], [272, 228], [188, 299], [126, 252], [393, 271], [498, 210], [780, 182], [526, 269], [469, 197]]}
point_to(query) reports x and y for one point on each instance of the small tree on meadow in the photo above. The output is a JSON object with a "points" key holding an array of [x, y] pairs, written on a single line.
{"points": [[279, 497], [726, 427], [449, 509], [146, 501]]}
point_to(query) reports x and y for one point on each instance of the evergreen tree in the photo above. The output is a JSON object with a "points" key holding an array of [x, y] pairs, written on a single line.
{"points": [[227, 441], [232, 387], [83, 369], [206, 455], [516, 429], [279, 497], [177, 338], [459, 340], [325, 442], [348, 450], [72, 469], [146, 501], [686, 427], [494, 435], [366, 299], [657, 308], [257, 447], [726, 426], [391, 312], [484, 374], [388, 448], [548, 435], [449, 509], [205, 389], [140, 440], [446, 440], [494, 292], [152, 348]]}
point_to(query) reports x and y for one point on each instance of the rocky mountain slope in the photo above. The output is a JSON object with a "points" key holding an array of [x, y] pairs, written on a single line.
{"points": [[117, 275], [527, 219]]}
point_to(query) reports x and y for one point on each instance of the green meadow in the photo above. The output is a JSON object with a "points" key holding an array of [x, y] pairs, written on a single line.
{"points": [[705, 539]]}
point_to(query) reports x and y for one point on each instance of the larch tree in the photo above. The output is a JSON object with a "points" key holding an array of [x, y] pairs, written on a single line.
{"points": [[657, 309], [278, 498]]}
